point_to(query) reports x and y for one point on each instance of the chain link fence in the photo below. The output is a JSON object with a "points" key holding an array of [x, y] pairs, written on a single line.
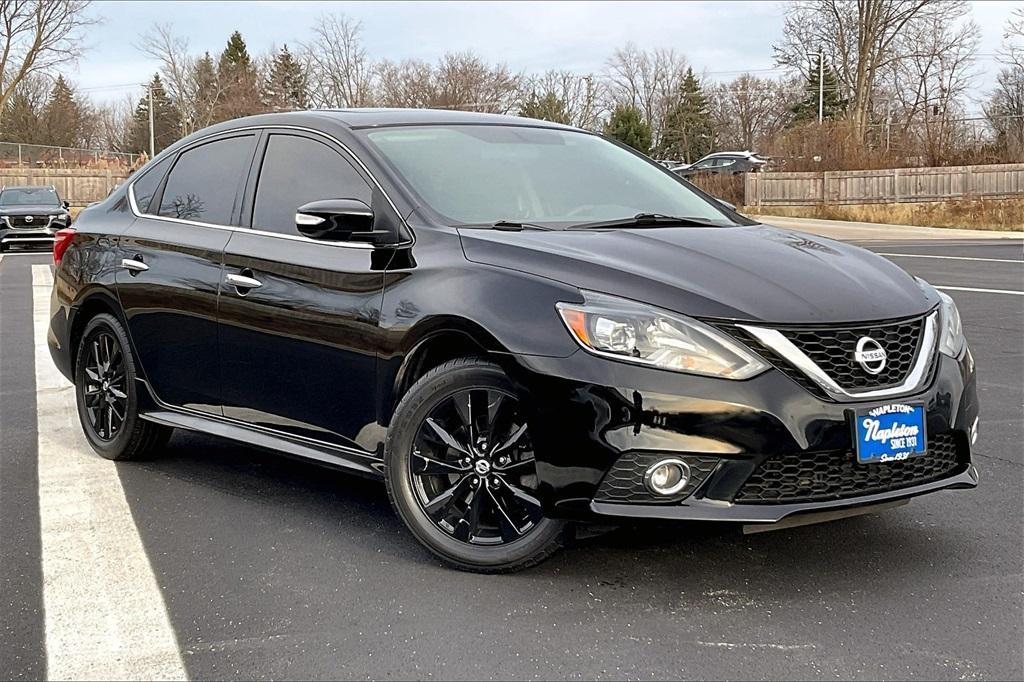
{"points": [[18, 155]]}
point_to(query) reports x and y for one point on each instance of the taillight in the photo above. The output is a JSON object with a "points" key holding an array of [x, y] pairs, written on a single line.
{"points": [[61, 242]]}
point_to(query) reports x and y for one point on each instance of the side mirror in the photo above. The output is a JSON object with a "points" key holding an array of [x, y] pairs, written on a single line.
{"points": [[66, 204], [337, 220]]}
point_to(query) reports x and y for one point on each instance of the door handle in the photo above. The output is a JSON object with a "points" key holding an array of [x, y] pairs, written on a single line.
{"points": [[134, 265], [242, 281]]}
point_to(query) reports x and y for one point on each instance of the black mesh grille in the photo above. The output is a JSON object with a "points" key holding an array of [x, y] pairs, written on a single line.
{"points": [[819, 476], [783, 366], [21, 221], [832, 350], [624, 482]]}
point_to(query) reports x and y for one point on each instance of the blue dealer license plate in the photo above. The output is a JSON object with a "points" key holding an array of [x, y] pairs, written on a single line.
{"points": [[890, 433]]}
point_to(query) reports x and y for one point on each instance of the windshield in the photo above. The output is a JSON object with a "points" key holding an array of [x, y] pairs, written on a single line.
{"points": [[29, 196], [483, 174]]}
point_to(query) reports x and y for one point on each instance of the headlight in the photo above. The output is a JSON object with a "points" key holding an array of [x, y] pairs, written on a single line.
{"points": [[634, 332], [951, 339]]}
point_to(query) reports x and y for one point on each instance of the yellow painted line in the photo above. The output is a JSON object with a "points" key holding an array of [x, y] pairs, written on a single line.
{"points": [[104, 613]]}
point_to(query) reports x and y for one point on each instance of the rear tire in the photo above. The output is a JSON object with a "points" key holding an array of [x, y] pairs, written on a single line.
{"points": [[107, 394], [460, 471]]}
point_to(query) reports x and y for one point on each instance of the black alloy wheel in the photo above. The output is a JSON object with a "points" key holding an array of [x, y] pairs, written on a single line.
{"points": [[105, 391], [107, 396], [461, 471], [473, 468]]}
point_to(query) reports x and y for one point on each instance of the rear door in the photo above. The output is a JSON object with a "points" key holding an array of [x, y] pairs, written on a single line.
{"points": [[171, 266], [298, 349]]}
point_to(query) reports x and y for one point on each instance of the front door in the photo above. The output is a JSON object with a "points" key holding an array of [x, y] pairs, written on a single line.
{"points": [[170, 268], [299, 330]]}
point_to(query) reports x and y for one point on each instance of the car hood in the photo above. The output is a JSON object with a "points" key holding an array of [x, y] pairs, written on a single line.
{"points": [[31, 209], [753, 273]]}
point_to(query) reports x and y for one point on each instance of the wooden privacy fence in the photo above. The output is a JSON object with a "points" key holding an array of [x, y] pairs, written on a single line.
{"points": [[885, 186], [79, 187]]}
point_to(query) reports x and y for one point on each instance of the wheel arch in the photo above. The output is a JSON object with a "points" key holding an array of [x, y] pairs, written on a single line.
{"points": [[430, 344], [89, 306]]}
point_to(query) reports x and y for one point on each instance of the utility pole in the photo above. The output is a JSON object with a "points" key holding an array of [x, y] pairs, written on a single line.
{"points": [[152, 136], [821, 84], [821, 89]]}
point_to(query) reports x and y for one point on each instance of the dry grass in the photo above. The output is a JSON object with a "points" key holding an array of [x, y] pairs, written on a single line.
{"points": [[974, 214]]}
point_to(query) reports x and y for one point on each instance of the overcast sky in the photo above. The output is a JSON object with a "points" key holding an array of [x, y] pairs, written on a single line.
{"points": [[720, 39]]}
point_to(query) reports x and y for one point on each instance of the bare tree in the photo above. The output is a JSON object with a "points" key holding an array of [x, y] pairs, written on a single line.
{"points": [[648, 80], [748, 110], [458, 81], [927, 87], [1011, 52], [339, 72], [1005, 108], [860, 37], [113, 122], [37, 36], [191, 82], [579, 95]]}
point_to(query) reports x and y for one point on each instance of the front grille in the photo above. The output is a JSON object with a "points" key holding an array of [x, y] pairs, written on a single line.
{"points": [[20, 221], [821, 476], [832, 350], [624, 482]]}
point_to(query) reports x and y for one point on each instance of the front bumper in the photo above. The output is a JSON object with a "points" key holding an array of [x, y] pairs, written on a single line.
{"points": [[588, 415], [41, 237]]}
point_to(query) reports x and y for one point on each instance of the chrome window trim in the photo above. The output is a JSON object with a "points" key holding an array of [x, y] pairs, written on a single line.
{"points": [[785, 348], [248, 230]]}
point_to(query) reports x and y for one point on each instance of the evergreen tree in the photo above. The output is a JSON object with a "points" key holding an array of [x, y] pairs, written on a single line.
{"points": [[62, 118], [689, 131], [165, 120], [627, 125], [833, 104], [208, 94], [286, 83], [240, 92], [546, 107]]}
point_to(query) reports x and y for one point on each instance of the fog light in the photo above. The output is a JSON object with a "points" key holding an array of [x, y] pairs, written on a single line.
{"points": [[667, 477]]}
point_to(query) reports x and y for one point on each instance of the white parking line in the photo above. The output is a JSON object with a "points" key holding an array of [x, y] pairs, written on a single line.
{"points": [[986, 260], [105, 616], [981, 291]]}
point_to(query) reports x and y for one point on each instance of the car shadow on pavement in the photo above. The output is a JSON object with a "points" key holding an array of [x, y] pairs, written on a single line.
{"points": [[238, 499]]}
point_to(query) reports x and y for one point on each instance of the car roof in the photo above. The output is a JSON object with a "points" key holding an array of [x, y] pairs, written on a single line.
{"points": [[381, 117], [29, 187]]}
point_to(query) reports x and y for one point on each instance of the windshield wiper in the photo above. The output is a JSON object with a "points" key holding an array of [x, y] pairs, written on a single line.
{"points": [[649, 220], [508, 226]]}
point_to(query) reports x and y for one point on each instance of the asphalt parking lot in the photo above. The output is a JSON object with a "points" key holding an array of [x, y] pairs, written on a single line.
{"points": [[262, 567]]}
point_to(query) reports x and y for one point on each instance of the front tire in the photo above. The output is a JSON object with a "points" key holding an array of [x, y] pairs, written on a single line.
{"points": [[106, 393], [461, 474]]}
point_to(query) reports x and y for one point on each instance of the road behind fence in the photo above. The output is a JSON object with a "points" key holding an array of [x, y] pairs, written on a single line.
{"points": [[885, 186]]}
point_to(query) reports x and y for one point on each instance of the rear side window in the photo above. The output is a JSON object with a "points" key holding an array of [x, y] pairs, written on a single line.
{"points": [[297, 170], [145, 187], [204, 183]]}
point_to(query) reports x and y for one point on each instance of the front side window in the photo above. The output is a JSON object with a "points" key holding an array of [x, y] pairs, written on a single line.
{"points": [[296, 171], [482, 174], [29, 196], [204, 183], [145, 187]]}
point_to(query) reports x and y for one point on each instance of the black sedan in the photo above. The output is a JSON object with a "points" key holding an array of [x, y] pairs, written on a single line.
{"points": [[30, 215], [518, 325]]}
